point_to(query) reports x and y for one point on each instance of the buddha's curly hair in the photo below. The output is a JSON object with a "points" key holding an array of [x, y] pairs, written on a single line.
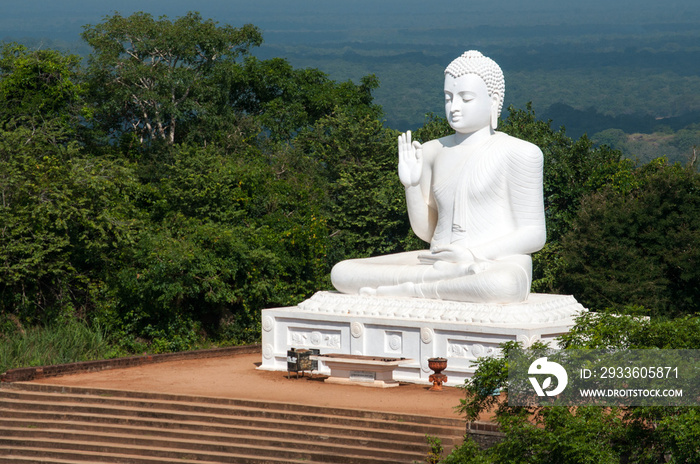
{"points": [[473, 62]]}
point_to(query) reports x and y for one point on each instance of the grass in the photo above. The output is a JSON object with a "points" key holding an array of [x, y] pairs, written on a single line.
{"points": [[69, 340]]}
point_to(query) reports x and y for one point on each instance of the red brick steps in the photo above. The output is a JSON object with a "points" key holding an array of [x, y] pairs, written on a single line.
{"points": [[53, 424]]}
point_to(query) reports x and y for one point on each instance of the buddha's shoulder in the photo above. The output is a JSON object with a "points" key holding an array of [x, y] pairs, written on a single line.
{"points": [[433, 147], [437, 144], [516, 146]]}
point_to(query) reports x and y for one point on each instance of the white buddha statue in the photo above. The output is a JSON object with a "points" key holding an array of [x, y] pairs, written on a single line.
{"points": [[475, 196]]}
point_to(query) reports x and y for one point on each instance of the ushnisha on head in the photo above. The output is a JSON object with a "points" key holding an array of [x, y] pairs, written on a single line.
{"points": [[473, 62]]}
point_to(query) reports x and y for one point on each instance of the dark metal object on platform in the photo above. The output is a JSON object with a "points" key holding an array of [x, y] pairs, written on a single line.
{"points": [[300, 361], [438, 378]]}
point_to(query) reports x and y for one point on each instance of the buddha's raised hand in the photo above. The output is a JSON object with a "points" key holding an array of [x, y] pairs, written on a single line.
{"points": [[410, 160]]}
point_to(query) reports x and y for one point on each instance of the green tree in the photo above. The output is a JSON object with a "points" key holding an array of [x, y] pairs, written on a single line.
{"points": [[38, 86], [286, 100], [589, 434], [354, 163], [537, 434], [637, 242], [604, 330], [64, 220], [149, 76], [225, 237], [238, 189]]}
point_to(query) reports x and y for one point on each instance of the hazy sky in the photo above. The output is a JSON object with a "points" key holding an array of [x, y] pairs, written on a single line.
{"points": [[354, 20], [399, 33]]}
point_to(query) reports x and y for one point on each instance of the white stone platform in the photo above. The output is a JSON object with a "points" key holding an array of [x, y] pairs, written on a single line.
{"points": [[412, 328]]}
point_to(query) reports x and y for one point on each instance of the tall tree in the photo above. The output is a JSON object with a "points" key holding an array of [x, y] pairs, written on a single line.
{"points": [[150, 75], [637, 242], [64, 219], [38, 86], [354, 160], [287, 100]]}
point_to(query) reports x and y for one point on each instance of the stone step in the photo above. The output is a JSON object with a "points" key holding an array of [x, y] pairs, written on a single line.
{"points": [[178, 450], [201, 443], [215, 433], [269, 405], [43, 423], [346, 436], [193, 411], [36, 454], [386, 430]]}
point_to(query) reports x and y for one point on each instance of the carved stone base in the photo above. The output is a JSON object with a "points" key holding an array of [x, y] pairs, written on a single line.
{"points": [[412, 328]]}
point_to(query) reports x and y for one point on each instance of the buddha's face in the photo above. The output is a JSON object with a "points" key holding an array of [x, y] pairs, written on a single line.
{"points": [[468, 105]]}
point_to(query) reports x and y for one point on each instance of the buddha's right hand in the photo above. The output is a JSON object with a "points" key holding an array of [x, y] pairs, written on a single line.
{"points": [[410, 160]]}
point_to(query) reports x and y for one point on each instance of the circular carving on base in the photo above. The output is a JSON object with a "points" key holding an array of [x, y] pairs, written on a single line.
{"points": [[357, 353], [268, 352], [426, 335], [357, 329], [395, 343], [268, 323], [481, 351], [424, 365], [316, 338]]}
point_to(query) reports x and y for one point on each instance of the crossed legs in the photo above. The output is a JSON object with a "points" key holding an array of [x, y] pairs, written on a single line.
{"points": [[500, 281]]}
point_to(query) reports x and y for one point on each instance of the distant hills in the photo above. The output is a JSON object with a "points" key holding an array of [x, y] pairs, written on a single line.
{"points": [[628, 65]]}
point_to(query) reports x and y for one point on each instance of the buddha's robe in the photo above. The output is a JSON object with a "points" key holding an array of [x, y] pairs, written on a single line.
{"points": [[491, 203]]}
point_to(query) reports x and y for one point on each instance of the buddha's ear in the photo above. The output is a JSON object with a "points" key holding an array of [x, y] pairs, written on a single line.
{"points": [[495, 101]]}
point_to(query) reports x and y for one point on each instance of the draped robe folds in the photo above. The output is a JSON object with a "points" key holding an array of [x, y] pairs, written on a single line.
{"points": [[491, 204]]}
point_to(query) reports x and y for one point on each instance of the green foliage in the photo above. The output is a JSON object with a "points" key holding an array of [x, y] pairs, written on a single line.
{"points": [[64, 219], [679, 430], [38, 86], [467, 453], [652, 431], [65, 340], [175, 335], [436, 449], [355, 164], [587, 434], [287, 100], [491, 377], [433, 128], [147, 76], [535, 435], [228, 209], [226, 237], [606, 330], [637, 242]]}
